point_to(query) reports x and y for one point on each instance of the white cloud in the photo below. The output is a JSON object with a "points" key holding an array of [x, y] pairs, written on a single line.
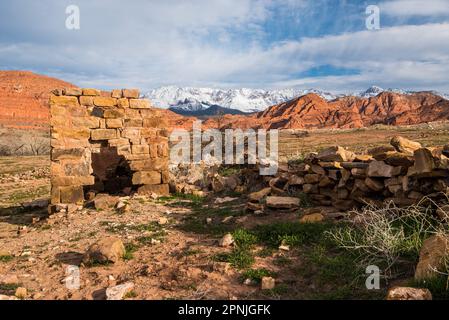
{"points": [[406, 8]]}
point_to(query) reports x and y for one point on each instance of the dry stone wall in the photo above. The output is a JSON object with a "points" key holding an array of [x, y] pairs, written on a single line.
{"points": [[110, 142], [403, 172]]}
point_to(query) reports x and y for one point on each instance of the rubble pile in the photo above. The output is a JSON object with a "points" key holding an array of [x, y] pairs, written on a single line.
{"points": [[403, 172]]}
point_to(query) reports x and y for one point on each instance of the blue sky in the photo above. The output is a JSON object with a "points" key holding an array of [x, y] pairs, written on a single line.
{"points": [[321, 44]]}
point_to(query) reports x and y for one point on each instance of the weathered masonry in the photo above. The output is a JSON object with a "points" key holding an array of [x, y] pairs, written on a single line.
{"points": [[106, 142]]}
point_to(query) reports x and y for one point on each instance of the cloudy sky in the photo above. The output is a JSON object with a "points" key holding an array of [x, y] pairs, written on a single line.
{"points": [[321, 44]]}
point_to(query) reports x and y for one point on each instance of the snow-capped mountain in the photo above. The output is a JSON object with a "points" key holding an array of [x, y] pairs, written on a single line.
{"points": [[246, 100], [191, 99]]}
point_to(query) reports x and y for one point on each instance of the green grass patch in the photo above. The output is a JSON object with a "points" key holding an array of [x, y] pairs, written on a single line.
{"points": [[238, 258], [256, 275], [438, 286], [6, 258], [130, 249]]}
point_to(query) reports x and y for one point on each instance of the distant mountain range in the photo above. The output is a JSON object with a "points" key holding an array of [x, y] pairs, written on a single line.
{"points": [[197, 101]]}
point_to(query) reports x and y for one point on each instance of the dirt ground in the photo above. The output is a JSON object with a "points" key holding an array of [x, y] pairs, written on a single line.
{"points": [[180, 259]]}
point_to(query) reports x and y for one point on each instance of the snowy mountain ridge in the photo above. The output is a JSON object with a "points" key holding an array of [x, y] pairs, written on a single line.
{"points": [[246, 100]]}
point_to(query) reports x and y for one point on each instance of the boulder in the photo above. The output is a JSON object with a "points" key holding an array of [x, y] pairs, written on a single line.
{"points": [[336, 153], [108, 250], [119, 292], [432, 257], [282, 202], [374, 185], [312, 218], [405, 293], [404, 145], [104, 202], [259, 195], [268, 283], [379, 169], [226, 241], [424, 162]]}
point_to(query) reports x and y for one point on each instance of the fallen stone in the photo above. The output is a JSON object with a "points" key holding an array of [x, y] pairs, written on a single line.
{"points": [[21, 293], [378, 169], [268, 283], [9, 279], [424, 162], [104, 202], [442, 212], [404, 145], [7, 298], [224, 200], [432, 257], [295, 180], [105, 251], [162, 221], [374, 185], [336, 153], [119, 292], [226, 241], [282, 202], [312, 218], [251, 206], [405, 293]]}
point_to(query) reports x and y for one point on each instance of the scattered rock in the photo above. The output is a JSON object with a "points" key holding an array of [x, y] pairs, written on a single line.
{"points": [[405, 293], [258, 196], [119, 292], [431, 258], [282, 202], [9, 279], [105, 251], [312, 218], [162, 221], [21, 293], [104, 202], [268, 283], [402, 144], [7, 298], [226, 241], [224, 200]]}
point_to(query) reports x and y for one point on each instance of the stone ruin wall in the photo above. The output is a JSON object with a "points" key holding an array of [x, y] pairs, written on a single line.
{"points": [[403, 173], [106, 142]]}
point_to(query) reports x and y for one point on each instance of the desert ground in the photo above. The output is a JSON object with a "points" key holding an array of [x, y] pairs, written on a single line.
{"points": [[172, 249]]}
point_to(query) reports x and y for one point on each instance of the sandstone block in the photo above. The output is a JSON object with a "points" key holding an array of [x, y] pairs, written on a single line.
{"points": [[147, 178], [375, 185], [432, 257], [131, 93], [424, 162], [404, 145], [105, 251], [312, 178], [133, 123], [160, 189], [336, 153], [72, 194], [87, 101], [91, 92], [258, 196], [138, 149], [73, 92], [116, 93], [114, 123], [380, 169], [282, 202], [64, 101], [123, 103], [406, 293], [105, 102], [103, 134], [139, 104]]}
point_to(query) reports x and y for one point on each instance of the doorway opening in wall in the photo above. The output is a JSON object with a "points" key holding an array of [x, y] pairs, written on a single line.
{"points": [[111, 171]]}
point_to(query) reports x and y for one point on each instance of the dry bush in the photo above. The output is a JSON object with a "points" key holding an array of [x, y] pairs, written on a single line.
{"points": [[384, 235]]}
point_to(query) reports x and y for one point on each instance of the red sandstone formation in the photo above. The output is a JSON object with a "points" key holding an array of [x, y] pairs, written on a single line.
{"points": [[311, 112], [24, 99]]}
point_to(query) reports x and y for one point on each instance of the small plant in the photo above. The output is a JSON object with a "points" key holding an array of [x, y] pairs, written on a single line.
{"points": [[130, 295], [256, 275], [384, 235], [130, 249], [244, 239], [238, 258], [6, 258]]}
